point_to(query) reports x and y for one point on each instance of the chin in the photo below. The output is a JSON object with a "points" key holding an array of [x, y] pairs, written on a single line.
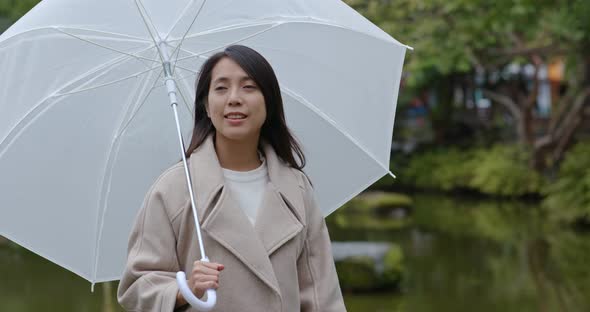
{"points": [[236, 136]]}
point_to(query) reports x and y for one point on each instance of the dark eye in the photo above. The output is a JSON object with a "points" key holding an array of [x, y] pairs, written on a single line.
{"points": [[250, 87], [220, 88]]}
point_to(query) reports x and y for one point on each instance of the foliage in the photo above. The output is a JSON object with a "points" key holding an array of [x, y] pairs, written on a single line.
{"points": [[14, 9], [393, 267], [499, 171], [365, 221], [371, 210], [444, 169], [357, 273], [451, 36], [568, 198], [371, 201], [504, 170], [360, 273], [571, 22]]}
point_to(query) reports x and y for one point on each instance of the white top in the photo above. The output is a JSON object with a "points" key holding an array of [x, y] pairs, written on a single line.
{"points": [[248, 187]]}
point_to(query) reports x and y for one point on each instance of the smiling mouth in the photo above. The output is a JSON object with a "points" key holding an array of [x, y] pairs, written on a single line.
{"points": [[235, 116]]}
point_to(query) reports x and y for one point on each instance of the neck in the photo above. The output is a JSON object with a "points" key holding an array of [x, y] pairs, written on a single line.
{"points": [[237, 155]]}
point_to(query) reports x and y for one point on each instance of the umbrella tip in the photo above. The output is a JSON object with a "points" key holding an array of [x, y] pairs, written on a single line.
{"points": [[92, 287], [409, 48], [391, 174]]}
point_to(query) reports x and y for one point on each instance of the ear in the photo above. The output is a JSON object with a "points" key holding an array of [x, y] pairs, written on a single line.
{"points": [[206, 103]]}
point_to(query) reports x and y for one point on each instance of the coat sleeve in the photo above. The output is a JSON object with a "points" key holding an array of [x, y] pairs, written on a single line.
{"points": [[149, 282], [318, 282]]}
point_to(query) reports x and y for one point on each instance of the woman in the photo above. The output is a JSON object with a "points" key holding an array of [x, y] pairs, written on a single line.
{"points": [[262, 229]]}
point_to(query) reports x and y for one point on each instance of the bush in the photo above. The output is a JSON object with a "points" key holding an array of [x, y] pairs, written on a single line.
{"points": [[393, 267], [360, 274], [357, 274], [372, 201], [504, 170], [370, 211], [568, 198], [444, 169]]}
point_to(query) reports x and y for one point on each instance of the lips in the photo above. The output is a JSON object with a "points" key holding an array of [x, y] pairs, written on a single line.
{"points": [[235, 116]]}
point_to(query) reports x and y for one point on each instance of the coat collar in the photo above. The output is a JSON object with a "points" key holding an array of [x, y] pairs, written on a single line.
{"points": [[207, 175], [278, 219]]}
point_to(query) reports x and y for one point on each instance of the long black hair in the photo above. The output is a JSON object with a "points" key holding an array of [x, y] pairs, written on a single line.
{"points": [[274, 129]]}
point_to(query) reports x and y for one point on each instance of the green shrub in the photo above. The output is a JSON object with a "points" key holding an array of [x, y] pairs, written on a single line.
{"points": [[371, 201], [357, 274], [444, 169], [504, 170], [393, 267], [568, 198], [366, 211]]}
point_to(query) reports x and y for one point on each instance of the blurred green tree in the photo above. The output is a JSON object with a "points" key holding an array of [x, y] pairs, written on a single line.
{"points": [[12, 10], [463, 36]]}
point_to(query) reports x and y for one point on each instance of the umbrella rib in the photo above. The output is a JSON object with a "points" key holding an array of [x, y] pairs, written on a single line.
{"points": [[106, 65], [193, 55], [120, 132], [135, 75], [308, 20], [184, 99], [274, 24], [113, 35], [95, 70], [41, 106], [139, 58], [224, 29], [196, 72], [147, 26], [176, 50], [108, 170], [143, 102], [334, 124], [107, 176], [178, 19], [72, 28], [224, 45], [182, 15]]}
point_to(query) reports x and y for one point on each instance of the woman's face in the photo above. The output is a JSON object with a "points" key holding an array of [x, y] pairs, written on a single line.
{"points": [[235, 103]]}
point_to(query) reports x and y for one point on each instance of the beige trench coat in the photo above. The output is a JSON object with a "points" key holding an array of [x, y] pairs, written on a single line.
{"points": [[283, 263]]}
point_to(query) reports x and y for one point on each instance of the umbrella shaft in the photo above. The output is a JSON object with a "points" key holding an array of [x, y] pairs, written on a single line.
{"points": [[171, 87]]}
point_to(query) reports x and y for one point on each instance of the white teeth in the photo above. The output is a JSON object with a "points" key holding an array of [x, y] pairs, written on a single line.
{"points": [[236, 116]]}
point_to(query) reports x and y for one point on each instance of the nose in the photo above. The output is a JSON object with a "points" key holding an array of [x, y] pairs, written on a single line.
{"points": [[234, 97]]}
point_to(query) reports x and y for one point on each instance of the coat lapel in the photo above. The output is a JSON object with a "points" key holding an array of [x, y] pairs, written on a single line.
{"points": [[275, 222], [228, 225], [277, 219]]}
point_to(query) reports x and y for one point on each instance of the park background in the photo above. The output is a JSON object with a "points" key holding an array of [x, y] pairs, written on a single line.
{"points": [[491, 206]]}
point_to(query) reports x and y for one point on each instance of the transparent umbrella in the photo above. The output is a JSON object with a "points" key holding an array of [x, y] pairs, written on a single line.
{"points": [[86, 124]]}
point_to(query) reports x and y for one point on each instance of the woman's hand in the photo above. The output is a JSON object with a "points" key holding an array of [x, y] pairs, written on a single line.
{"points": [[205, 275]]}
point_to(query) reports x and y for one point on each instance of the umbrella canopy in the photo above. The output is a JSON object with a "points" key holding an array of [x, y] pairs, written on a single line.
{"points": [[86, 125]]}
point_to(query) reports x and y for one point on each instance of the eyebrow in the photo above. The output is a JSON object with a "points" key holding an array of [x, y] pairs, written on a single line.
{"points": [[224, 79]]}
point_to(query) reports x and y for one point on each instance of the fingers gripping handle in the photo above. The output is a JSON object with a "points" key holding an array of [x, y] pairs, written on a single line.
{"points": [[188, 295], [191, 298]]}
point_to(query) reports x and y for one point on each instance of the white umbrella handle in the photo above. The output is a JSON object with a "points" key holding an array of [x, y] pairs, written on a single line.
{"points": [[191, 298]]}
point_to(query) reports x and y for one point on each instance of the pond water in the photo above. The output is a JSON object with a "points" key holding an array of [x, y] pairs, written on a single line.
{"points": [[465, 255], [459, 255]]}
